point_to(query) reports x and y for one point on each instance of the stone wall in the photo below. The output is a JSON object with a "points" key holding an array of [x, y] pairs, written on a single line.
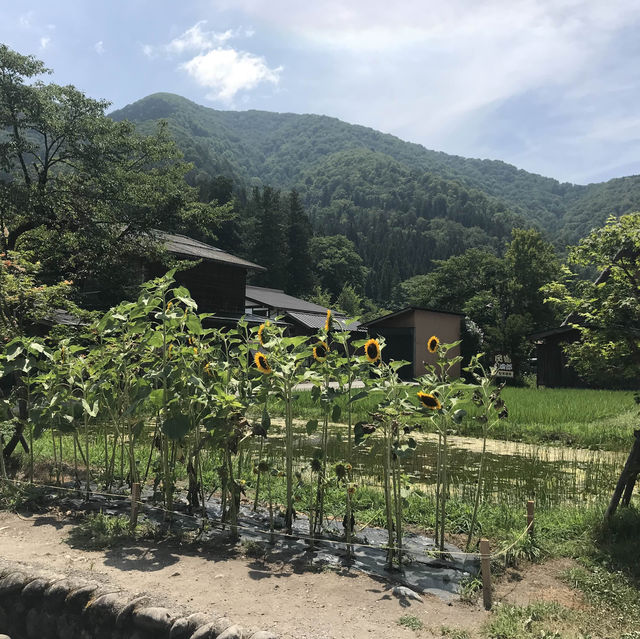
{"points": [[34, 605]]}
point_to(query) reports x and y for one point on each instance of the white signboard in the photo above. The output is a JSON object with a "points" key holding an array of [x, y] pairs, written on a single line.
{"points": [[504, 366]]}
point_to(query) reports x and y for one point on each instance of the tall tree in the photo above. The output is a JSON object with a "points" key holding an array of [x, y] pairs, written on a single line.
{"points": [[299, 233], [269, 245], [78, 189]]}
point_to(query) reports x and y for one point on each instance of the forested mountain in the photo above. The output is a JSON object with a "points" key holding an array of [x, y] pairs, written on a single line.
{"points": [[283, 150]]}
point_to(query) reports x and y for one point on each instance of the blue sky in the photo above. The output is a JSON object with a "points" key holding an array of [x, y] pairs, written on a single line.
{"points": [[552, 86]]}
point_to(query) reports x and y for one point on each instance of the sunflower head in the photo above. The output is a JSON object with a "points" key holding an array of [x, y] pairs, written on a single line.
{"points": [[262, 363], [263, 332], [328, 321], [372, 351], [429, 400], [432, 344], [320, 351]]}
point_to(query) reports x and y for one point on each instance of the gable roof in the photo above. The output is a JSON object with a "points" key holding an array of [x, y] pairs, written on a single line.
{"points": [[276, 298], [187, 246], [409, 309]]}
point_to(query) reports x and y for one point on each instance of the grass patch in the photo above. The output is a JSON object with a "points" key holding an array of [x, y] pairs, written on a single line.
{"points": [[99, 531], [540, 620], [454, 633], [410, 621], [15, 497]]}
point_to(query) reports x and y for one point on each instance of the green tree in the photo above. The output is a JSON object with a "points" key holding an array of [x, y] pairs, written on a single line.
{"points": [[349, 302], [23, 301], [336, 263], [605, 310], [269, 245], [298, 235], [501, 295], [79, 189]]}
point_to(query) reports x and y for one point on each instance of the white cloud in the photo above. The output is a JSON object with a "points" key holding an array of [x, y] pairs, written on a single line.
{"points": [[196, 39], [99, 47], [25, 19], [227, 71], [44, 42], [217, 66]]}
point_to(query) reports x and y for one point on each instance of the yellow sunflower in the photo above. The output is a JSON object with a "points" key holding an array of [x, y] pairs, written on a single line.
{"points": [[327, 324], [261, 362], [432, 344], [372, 351], [429, 401], [320, 351], [261, 332]]}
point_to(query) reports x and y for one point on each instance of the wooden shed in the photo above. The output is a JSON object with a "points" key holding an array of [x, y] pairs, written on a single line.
{"points": [[552, 367], [407, 331]]}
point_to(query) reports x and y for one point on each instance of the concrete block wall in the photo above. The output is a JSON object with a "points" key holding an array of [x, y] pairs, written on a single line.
{"points": [[34, 605]]}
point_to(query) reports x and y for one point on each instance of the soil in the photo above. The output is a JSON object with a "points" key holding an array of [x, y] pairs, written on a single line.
{"points": [[293, 599]]}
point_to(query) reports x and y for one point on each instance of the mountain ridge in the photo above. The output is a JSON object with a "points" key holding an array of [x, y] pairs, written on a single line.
{"points": [[279, 149]]}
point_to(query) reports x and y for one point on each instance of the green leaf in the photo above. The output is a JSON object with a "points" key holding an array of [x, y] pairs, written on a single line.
{"points": [[266, 420], [458, 415], [176, 426], [312, 426], [92, 411], [358, 396], [336, 412]]}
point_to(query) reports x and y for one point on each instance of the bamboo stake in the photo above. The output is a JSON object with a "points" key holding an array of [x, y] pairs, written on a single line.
{"points": [[135, 498]]}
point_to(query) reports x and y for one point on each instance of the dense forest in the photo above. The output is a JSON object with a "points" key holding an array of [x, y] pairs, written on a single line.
{"points": [[281, 150]]}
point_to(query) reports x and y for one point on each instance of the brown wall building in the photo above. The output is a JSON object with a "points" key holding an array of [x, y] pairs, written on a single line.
{"points": [[406, 333]]}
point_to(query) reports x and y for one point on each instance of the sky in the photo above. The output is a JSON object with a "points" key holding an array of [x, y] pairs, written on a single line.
{"points": [[552, 86]]}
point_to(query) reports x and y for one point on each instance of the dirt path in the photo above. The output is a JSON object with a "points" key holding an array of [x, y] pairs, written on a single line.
{"points": [[295, 601]]}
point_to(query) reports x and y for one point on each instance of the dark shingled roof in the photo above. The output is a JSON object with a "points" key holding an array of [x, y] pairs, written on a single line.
{"points": [[276, 298], [187, 246], [317, 320]]}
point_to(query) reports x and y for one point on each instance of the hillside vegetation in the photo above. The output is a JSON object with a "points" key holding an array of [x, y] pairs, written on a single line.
{"points": [[286, 150]]}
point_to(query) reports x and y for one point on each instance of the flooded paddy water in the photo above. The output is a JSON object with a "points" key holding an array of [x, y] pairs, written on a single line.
{"points": [[514, 472]]}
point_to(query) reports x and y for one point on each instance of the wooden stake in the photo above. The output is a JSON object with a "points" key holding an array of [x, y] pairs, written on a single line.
{"points": [[485, 565], [530, 515], [135, 498]]}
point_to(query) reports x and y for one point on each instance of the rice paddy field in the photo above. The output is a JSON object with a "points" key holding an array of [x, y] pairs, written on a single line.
{"points": [[575, 418]]}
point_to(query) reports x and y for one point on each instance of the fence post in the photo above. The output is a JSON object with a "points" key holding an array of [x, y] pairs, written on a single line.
{"points": [[135, 498], [485, 566], [530, 515]]}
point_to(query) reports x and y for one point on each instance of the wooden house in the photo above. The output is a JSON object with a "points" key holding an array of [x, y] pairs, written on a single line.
{"points": [[217, 281]]}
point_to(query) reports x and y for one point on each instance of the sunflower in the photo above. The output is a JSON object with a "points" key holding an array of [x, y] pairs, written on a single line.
{"points": [[263, 327], [372, 350], [327, 324], [429, 401], [432, 344], [320, 351], [261, 362]]}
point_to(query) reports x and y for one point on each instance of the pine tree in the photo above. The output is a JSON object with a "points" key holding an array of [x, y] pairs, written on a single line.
{"points": [[300, 279]]}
